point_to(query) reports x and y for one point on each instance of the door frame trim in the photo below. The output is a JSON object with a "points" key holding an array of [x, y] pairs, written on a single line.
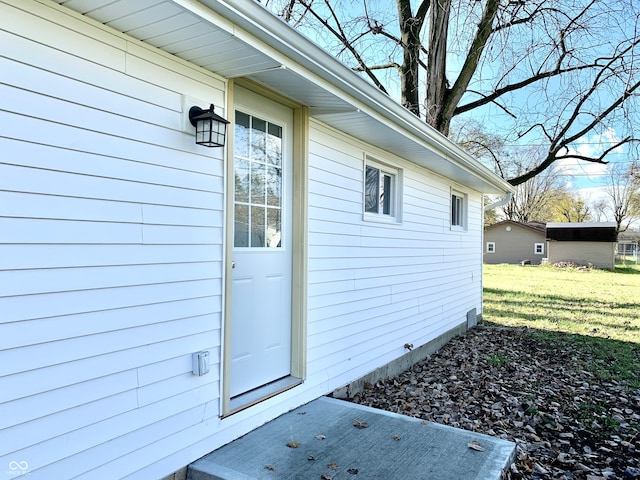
{"points": [[299, 270]]}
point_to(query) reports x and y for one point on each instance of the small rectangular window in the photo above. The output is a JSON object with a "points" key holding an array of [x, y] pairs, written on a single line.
{"points": [[381, 191], [491, 247], [458, 210], [538, 248]]}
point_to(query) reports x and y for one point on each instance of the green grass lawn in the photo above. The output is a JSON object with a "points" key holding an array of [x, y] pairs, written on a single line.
{"points": [[592, 309]]}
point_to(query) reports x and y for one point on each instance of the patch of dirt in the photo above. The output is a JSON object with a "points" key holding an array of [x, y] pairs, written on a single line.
{"points": [[566, 422]]}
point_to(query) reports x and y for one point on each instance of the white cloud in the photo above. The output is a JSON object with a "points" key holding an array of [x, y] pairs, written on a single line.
{"points": [[575, 167], [593, 194]]}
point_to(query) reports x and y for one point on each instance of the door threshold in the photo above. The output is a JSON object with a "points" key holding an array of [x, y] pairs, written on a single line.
{"points": [[257, 395]]}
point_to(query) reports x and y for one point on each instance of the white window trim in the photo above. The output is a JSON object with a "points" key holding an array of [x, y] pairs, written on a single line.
{"points": [[535, 248], [465, 209], [493, 247], [397, 174]]}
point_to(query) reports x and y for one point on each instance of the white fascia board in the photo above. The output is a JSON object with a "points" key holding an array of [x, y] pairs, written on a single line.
{"points": [[293, 50]]}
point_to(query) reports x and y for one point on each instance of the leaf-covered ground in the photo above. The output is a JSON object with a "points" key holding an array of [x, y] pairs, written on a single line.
{"points": [[543, 391]]}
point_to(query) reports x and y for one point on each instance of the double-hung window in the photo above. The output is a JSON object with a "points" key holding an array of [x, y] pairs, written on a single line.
{"points": [[491, 247], [382, 187], [538, 248]]}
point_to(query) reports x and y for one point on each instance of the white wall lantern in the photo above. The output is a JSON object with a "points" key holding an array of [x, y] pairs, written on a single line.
{"points": [[211, 128]]}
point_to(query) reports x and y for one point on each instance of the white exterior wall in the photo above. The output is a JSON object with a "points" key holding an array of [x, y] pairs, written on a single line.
{"points": [[374, 287], [111, 227], [111, 257]]}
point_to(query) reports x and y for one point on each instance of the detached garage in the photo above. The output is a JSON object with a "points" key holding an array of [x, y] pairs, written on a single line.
{"points": [[583, 243]]}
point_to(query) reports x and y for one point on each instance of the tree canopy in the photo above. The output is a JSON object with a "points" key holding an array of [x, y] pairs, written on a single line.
{"points": [[548, 73]]}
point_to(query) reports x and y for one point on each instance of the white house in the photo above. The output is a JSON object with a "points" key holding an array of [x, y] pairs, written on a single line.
{"points": [[332, 229]]}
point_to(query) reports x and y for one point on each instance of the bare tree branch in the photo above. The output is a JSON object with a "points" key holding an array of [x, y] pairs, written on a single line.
{"points": [[339, 34], [453, 96], [380, 67], [551, 71]]}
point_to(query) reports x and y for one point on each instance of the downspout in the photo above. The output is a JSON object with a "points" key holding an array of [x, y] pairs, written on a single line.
{"points": [[507, 198], [499, 203]]}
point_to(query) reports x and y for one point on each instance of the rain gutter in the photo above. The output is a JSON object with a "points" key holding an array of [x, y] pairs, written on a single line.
{"points": [[303, 52]]}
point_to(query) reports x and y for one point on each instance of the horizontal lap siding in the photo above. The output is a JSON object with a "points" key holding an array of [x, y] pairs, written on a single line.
{"points": [[374, 287], [513, 245], [599, 254], [111, 228]]}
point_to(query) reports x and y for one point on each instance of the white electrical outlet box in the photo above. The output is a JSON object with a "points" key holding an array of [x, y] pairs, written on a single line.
{"points": [[200, 363]]}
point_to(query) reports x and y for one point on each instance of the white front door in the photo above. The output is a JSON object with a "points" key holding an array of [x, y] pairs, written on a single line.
{"points": [[262, 237]]}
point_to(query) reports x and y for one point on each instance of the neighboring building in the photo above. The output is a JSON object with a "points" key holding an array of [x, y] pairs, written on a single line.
{"points": [[583, 243], [333, 228], [514, 242], [628, 242]]}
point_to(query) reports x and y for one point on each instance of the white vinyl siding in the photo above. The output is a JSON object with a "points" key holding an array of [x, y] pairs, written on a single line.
{"points": [[110, 249], [111, 257], [374, 287]]}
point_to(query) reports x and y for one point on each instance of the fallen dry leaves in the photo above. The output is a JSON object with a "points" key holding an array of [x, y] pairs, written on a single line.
{"points": [[566, 422], [359, 424], [475, 445]]}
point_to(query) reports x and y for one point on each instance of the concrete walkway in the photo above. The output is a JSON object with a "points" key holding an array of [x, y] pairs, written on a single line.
{"points": [[390, 447]]}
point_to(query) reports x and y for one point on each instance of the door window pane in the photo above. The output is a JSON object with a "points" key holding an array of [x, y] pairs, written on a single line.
{"points": [[258, 139], [241, 226], [274, 145], [257, 227], [242, 180], [273, 227], [258, 182], [274, 186], [241, 135]]}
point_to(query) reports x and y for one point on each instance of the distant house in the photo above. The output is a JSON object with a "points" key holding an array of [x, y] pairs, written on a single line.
{"points": [[628, 242], [582, 243], [514, 242]]}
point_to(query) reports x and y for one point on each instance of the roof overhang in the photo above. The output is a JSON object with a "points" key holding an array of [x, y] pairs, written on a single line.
{"points": [[538, 228], [582, 232], [239, 38]]}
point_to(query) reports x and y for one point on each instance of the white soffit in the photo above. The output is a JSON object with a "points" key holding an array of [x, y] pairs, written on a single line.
{"points": [[239, 38]]}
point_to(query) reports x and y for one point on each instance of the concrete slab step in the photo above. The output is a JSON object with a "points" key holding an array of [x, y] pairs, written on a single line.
{"points": [[390, 447]]}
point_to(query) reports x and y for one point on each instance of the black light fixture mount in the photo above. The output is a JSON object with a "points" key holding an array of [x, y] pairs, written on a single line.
{"points": [[211, 128]]}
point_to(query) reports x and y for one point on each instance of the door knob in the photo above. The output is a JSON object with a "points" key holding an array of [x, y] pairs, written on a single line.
{"points": [[233, 264]]}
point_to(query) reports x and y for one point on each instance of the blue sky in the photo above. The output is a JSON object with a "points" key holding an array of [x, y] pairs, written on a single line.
{"points": [[584, 177]]}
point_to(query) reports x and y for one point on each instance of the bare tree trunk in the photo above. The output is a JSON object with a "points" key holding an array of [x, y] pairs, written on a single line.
{"points": [[437, 61], [410, 27], [598, 66], [447, 99]]}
